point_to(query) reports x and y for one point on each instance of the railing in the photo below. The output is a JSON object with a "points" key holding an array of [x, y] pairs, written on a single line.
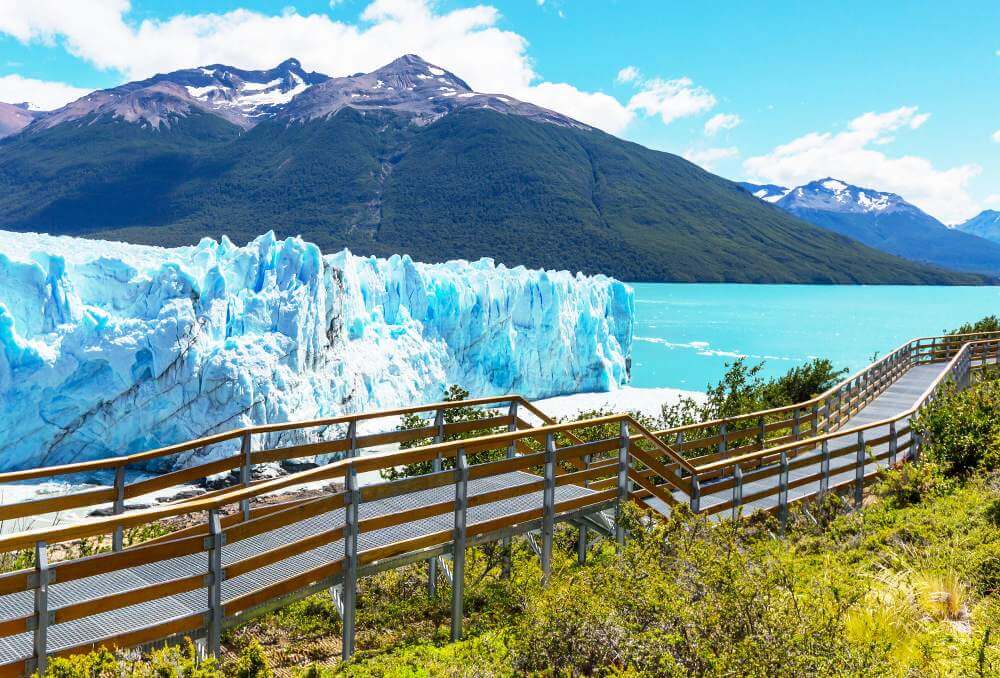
{"points": [[562, 477], [349, 443], [546, 450], [731, 472]]}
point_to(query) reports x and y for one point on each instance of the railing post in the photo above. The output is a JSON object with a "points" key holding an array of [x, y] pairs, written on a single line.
{"points": [[760, 432], [548, 506], [352, 439], [349, 596], [859, 471], [42, 614], [826, 415], [458, 549], [893, 444], [824, 466], [814, 415], [796, 426], [118, 538], [246, 470], [505, 543], [695, 494], [783, 491], [435, 468], [737, 490], [214, 543], [623, 447], [723, 443], [432, 563], [581, 542]]}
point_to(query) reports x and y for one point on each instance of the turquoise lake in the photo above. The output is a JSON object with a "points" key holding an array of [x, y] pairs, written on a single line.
{"points": [[686, 333]]}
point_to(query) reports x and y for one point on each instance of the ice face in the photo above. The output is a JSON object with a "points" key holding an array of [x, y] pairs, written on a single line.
{"points": [[109, 348]]}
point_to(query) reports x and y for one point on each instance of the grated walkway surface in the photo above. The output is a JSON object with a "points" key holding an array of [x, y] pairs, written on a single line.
{"points": [[900, 396], [143, 615]]}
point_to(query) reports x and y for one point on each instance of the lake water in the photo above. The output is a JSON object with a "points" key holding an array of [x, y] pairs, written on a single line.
{"points": [[686, 333]]}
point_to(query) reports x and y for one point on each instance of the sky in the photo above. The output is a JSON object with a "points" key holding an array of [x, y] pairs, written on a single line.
{"points": [[894, 96]]}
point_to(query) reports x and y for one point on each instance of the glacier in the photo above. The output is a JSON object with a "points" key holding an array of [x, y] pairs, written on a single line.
{"points": [[109, 348]]}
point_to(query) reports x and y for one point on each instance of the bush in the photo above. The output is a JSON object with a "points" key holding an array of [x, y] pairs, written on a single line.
{"points": [[962, 428], [167, 662], [911, 484]]}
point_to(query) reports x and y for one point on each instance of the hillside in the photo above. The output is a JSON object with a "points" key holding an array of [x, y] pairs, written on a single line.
{"points": [[406, 159], [986, 224], [886, 222]]}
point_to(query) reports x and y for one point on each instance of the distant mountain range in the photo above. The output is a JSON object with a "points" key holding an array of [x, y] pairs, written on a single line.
{"points": [[884, 221], [407, 158], [986, 224]]}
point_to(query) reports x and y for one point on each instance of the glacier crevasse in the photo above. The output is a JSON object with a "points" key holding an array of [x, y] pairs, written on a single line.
{"points": [[109, 348]]}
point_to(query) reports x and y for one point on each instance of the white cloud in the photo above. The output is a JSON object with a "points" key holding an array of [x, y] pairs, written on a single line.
{"points": [[628, 74], [849, 155], [594, 108], [671, 99], [39, 94], [709, 157], [996, 136], [721, 121], [993, 199], [467, 41]]}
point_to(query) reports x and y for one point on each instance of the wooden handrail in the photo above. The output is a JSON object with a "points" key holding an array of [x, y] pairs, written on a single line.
{"points": [[818, 440]]}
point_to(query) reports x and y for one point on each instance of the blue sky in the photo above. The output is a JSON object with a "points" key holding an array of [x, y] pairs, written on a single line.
{"points": [[892, 95]]}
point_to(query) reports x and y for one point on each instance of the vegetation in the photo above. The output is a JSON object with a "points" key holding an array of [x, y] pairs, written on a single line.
{"points": [[990, 323], [742, 390], [475, 183], [451, 416]]}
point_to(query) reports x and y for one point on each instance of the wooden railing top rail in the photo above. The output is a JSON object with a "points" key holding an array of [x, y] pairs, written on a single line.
{"points": [[818, 440], [110, 463], [825, 394]]}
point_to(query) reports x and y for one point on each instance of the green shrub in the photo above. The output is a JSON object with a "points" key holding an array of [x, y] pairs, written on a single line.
{"points": [[911, 484], [168, 662], [961, 429]]}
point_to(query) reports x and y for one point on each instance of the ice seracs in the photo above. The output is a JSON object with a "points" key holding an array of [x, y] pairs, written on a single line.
{"points": [[107, 348]]}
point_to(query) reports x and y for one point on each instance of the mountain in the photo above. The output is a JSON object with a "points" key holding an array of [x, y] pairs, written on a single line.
{"points": [[237, 96], [986, 224], [410, 159], [766, 192], [886, 222], [14, 118]]}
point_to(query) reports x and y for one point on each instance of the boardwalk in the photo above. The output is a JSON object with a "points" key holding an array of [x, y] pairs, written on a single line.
{"points": [[234, 564]]}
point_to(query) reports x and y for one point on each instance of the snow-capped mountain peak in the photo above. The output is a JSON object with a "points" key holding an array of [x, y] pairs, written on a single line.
{"points": [[414, 87], [249, 93], [408, 85], [838, 196], [240, 96]]}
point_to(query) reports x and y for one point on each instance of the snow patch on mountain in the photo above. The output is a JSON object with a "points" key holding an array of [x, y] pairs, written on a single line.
{"points": [[108, 348]]}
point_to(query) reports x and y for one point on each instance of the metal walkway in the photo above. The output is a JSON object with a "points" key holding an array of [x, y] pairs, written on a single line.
{"points": [[109, 624], [899, 397]]}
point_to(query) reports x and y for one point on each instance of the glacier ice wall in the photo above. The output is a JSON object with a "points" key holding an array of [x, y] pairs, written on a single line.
{"points": [[108, 348]]}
